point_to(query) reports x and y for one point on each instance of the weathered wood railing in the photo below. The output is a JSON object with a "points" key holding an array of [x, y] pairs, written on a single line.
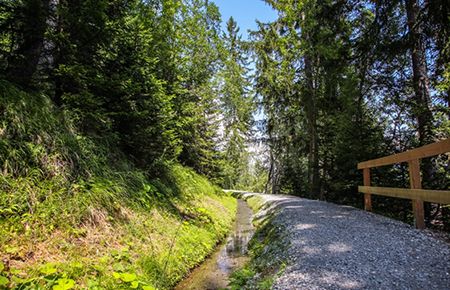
{"points": [[415, 193]]}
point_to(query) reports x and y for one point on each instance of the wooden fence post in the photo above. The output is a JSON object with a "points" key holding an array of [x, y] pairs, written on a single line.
{"points": [[416, 183], [367, 196]]}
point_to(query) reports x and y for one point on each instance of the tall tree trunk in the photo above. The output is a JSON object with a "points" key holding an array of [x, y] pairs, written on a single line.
{"points": [[311, 115], [421, 102], [420, 75], [269, 187], [272, 185], [32, 18], [309, 98]]}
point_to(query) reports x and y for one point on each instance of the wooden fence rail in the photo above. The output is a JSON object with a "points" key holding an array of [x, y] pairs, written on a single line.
{"points": [[415, 193]]}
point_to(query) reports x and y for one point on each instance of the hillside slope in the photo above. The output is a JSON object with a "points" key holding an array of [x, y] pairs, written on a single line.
{"points": [[75, 212]]}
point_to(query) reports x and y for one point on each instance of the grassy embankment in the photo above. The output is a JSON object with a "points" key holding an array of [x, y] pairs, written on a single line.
{"points": [[266, 250], [76, 214]]}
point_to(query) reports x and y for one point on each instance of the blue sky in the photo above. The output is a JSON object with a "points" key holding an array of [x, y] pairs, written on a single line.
{"points": [[245, 12]]}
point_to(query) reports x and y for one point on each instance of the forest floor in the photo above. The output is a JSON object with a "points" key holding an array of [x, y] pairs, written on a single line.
{"points": [[330, 246]]}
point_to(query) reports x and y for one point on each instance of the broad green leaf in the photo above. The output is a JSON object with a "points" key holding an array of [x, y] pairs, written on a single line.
{"points": [[1, 267], [3, 281], [148, 288], [48, 269], [134, 284], [64, 284], [128, 277]]}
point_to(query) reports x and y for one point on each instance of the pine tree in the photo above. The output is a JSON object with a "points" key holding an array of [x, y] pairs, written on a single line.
{"points": [[195, 104], [309, 93], [237, 105]]}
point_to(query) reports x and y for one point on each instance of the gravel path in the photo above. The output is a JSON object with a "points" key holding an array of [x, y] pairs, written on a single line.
{"points": [[341, 247]]}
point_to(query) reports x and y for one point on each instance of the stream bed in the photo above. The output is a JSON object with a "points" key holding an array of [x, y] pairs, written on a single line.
{"points": [[215, 271]]}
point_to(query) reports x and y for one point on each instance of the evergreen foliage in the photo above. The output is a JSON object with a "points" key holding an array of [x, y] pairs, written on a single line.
{"points": [[347, 81], [103, 102], [99, 103], [141, 74], [237, 107]]}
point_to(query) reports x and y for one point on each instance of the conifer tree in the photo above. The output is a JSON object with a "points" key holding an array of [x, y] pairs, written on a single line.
{"points": [[237, 105]]}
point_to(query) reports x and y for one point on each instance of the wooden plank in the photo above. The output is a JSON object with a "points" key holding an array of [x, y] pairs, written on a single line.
{"points": [[419, 214], [436, 196], [367, 196], [416, 183], [418, 153], [414, 174]]}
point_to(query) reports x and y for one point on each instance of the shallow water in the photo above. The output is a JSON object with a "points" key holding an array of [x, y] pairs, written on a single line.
{"points": [[214, 272]]}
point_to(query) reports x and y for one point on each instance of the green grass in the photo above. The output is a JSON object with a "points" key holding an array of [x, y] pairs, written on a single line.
{"points": [[76, 214], [266, 248]]}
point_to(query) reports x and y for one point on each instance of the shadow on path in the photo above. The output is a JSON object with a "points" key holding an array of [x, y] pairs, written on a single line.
{"points": [[341, 247]]}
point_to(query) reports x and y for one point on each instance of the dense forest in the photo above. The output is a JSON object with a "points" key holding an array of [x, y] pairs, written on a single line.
{"points": [[112, 102], [155, 78], [115, 117], [346, 81]]}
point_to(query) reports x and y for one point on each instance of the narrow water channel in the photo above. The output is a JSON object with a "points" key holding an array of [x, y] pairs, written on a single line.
{"points": [[214, 273]]}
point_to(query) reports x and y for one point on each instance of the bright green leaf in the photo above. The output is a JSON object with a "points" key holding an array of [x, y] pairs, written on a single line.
{"points": [[134, 284], [3, 281], [116, 275], [48, 269], [64, 284], [128, 277]]}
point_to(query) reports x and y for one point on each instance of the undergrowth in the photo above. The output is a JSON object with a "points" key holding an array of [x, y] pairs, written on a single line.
{"points": [[76, 214]]}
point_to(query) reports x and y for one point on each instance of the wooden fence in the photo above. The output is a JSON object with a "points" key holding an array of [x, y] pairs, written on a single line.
{"points": [[415, 193]]}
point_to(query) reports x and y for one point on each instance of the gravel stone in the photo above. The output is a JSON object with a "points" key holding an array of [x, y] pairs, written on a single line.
{"points": [[340, 247]]}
